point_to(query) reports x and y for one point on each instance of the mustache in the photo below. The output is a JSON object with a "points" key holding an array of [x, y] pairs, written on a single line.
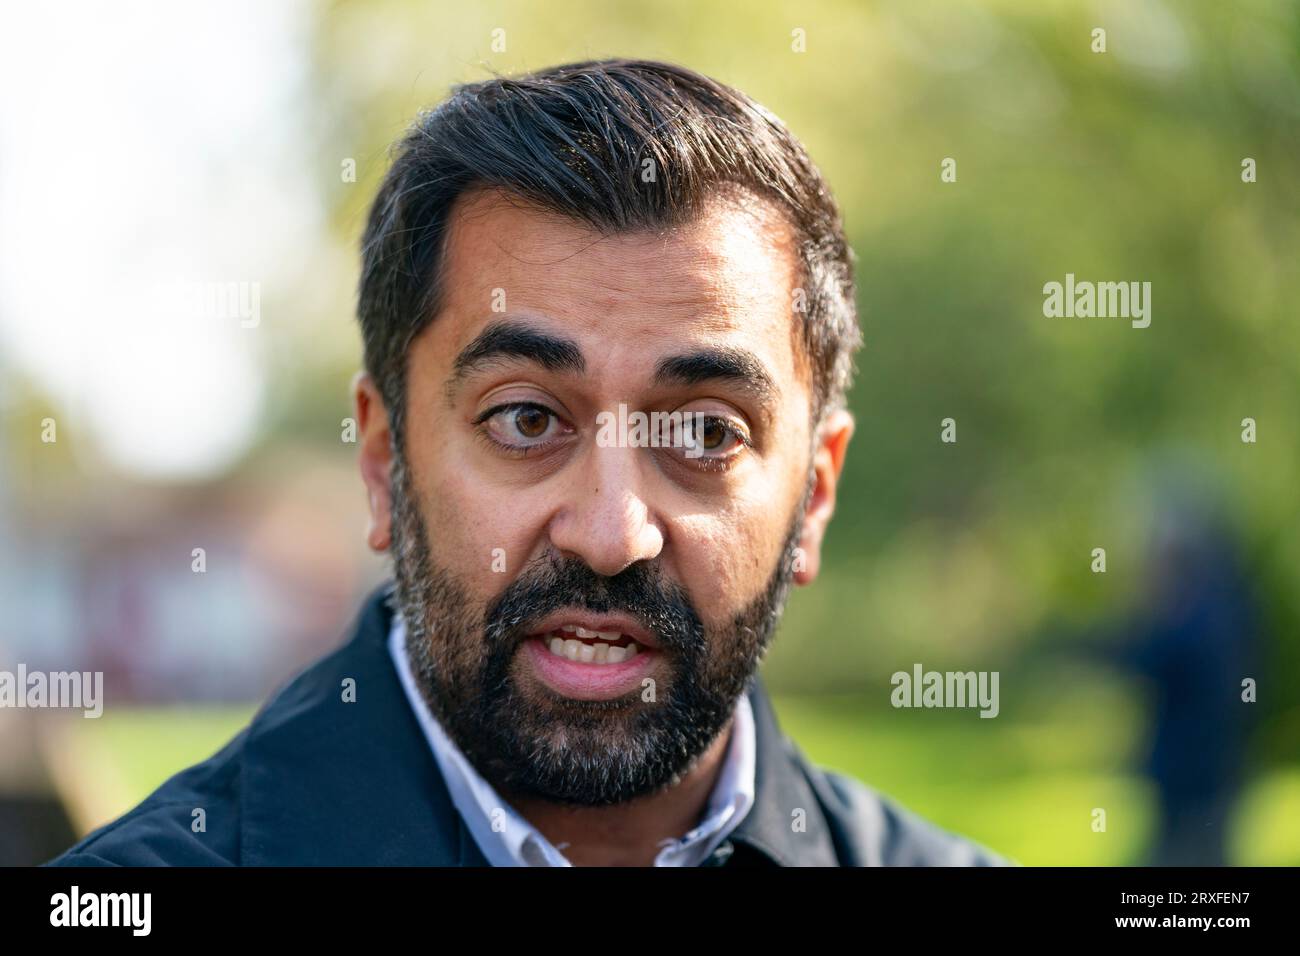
{"points": [[553, 583]]}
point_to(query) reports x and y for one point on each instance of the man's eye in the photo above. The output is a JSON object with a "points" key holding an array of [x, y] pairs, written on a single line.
{"points": [[717, 434], [520, 425], [710, 437]]}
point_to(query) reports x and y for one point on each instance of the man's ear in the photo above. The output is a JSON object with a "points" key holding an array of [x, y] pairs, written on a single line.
{"points": [[828, 461], [376, 458]]}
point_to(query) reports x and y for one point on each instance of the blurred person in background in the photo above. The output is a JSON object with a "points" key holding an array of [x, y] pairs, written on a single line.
{"points": [[1195, 641]]}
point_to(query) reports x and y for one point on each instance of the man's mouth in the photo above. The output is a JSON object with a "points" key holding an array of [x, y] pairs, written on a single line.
{"points": [[591, 656], [590, 647]]}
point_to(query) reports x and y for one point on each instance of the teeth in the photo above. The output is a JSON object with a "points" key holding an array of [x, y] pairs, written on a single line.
{"points": [[576, 650]]}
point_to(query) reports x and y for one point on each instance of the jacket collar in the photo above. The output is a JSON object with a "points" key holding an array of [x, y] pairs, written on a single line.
{"points": [[328, 780]]}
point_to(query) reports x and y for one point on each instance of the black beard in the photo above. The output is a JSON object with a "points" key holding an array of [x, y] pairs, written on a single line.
{"points": [[541, 744]]}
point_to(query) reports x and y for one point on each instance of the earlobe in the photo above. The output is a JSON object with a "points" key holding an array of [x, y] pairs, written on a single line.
{"points": [[375, 459], [379, 533], [807, 560]]}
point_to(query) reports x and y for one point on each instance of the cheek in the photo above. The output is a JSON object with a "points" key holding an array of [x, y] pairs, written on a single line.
{"points": [[727, 558], [726, 555], [474, 530]]}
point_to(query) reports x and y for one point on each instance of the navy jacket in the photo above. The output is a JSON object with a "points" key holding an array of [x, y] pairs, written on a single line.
{"points": [[316, 781]]}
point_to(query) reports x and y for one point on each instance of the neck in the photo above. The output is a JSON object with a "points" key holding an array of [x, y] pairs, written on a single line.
{"points": [[631, 833]]}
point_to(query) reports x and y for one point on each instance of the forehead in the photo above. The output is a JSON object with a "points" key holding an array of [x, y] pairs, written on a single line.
{"points": [[727, 277]]}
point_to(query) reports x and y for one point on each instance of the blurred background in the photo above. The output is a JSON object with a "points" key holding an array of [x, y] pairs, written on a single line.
{"points": [[149, 150]]}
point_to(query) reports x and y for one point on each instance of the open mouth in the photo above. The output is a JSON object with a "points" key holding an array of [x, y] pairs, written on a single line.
{"points": [[585, 646], [585, 656]]}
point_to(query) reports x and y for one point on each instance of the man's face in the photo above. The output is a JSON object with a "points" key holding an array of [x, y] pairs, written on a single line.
{"points": [[583, 613]]}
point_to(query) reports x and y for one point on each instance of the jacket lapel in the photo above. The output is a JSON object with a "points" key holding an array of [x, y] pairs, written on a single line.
{"points": [[786, 826], [328, 782]]}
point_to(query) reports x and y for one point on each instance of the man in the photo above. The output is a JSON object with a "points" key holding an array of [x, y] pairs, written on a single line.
{"points": [[609, 323]]}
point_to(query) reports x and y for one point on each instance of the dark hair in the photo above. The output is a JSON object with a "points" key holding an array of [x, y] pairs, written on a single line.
{"points": [[575, 139]]}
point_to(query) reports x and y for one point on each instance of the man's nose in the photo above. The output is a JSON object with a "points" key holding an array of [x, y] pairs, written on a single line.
{"points": [[605, 519]]}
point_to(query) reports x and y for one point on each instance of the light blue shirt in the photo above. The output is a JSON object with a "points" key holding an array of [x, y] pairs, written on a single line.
{"points": [[513, 841]]}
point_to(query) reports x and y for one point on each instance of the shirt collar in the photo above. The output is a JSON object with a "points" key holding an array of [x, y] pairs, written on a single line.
{"points": [[507, 839]]}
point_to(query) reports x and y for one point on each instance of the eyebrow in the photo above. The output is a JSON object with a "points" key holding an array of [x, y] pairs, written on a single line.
{"points": [[734, 366], [516, 340]]}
